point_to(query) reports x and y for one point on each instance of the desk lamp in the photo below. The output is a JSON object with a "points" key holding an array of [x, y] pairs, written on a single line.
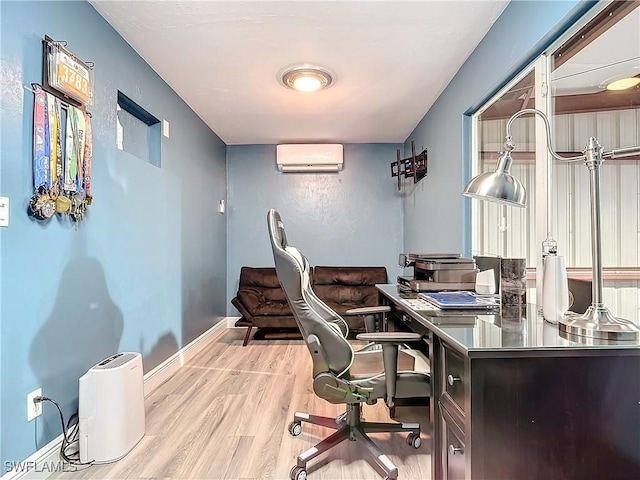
{"points": [[502, 187]]}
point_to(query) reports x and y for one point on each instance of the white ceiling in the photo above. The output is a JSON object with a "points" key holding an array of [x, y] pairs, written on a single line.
{"points": [[390, 59], [613, 55]]}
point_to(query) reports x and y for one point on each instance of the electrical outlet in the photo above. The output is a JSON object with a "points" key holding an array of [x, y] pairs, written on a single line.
{"points": [[34, 409]]}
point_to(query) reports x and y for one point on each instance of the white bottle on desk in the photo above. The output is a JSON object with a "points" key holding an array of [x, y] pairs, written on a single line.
{"points": [[555, 289]]}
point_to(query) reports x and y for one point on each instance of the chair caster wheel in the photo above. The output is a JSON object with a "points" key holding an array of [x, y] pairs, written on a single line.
{"points": [[295, 429], [298, 473], [414, 440]]}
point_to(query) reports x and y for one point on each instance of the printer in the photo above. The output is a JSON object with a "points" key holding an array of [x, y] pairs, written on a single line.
{"points": [[437, 272]]}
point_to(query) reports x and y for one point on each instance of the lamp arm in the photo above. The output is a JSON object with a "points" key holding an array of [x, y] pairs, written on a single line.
{"points": [[510, 145], [622, 152]]}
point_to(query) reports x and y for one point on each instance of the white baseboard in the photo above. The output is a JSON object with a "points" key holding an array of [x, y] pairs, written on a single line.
{"points": [[171, 365], [231, 322], [40, 465], [46, 461]]}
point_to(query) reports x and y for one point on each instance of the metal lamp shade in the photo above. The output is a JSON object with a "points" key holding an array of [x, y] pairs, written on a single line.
{"points": [[499, 187]]}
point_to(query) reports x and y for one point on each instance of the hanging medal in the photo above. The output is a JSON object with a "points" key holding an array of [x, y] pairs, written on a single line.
{"points": [[70, 153], [63, 204], [81, 138], [52, 123], [62, 158], [39, 152], [41, 204], [75, 174], [88, 158]]}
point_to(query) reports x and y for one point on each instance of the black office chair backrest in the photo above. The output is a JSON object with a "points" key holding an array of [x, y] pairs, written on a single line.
{"points": [[330, 350]]}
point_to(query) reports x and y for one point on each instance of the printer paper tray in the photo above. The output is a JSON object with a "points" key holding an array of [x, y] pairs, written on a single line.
{"points": [[426, 286], [446, 264]]}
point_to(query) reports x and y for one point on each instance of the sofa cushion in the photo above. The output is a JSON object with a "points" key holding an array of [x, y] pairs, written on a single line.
{"points": [[341, 307], [353, 276], [260, 292], [343, 288], [263, 304], [264, 277], [264, 301]]}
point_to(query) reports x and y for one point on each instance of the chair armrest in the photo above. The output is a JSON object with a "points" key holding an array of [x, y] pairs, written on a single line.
{"points": [[390, 337], [390, 344], [368, 310]]}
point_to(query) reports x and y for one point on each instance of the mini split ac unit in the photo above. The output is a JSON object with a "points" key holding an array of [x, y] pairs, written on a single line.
{"points": [[111, 408], [309, 157]]}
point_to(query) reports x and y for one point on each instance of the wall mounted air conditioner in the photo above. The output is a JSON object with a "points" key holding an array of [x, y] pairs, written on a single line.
{"points": [[306, 157], [111, 408]]}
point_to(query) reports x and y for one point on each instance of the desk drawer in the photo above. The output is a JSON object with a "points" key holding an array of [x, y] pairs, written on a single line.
{"points": [[410, 323], [452, 448], [453, 376]]}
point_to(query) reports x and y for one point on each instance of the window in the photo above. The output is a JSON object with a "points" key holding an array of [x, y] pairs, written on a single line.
{"points": [[138, 132], [569, 83], [500, 230], [603, 51]]}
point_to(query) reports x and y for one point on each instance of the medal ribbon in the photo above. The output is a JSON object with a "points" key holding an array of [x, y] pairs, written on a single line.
{"points": [[59, 163], [88, 155], [40, 160], [71, 158], [80, 141], [53, 119], [52, 165], [47, 146]]}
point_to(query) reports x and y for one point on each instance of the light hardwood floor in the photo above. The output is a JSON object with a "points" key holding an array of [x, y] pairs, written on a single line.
{"points": [[224, 415]]}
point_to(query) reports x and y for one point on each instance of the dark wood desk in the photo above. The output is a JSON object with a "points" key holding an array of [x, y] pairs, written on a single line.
{"points": [[513, 400]]}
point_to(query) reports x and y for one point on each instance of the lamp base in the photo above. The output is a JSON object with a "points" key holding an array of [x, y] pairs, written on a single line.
{"points": [[599, 323]]}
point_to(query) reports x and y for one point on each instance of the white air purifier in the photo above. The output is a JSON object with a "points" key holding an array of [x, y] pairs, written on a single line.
{"points": [[111, 408]]}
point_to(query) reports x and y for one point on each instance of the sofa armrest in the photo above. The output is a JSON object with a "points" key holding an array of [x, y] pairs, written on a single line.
{"points": [[235, 301]]}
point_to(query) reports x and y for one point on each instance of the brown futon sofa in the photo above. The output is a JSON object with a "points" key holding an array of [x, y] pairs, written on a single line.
{"points": [[262, 303]]}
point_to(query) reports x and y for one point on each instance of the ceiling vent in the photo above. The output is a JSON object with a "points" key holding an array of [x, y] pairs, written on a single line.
{"points": [[309, 157]]}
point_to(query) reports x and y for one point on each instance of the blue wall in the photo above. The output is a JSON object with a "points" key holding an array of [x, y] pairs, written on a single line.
{"points": [[353, 217], [436, 217], [145, 271]]}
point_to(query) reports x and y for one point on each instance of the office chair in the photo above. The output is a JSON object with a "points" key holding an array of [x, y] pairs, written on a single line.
{"points": [[333, 356]]}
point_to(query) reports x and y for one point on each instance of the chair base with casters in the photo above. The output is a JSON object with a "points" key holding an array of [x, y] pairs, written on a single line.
{"points": [[350, 426]]}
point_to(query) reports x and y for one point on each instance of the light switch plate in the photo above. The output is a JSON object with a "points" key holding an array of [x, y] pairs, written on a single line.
{"points": [[4, 211], [165, 128]]}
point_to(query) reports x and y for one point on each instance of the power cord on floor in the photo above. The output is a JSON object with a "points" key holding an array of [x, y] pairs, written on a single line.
{"points": [[70, 435]]}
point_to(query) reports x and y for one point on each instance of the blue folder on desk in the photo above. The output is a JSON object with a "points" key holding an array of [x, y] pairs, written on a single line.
{"points": [[458, 301]]}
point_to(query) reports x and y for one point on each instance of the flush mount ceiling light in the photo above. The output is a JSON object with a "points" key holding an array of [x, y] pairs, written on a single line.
{"points": [[306, 78], [623, 83]]}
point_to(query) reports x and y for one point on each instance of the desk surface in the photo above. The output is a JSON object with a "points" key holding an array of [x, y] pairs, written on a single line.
{"points": [[512, 399], [501, 332]]}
